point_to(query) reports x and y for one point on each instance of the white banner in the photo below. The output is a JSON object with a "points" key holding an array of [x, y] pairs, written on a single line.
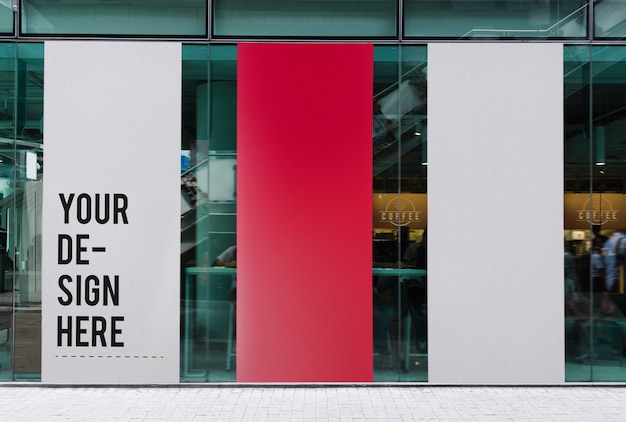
{"points": [[495, 180], [111, 212]]}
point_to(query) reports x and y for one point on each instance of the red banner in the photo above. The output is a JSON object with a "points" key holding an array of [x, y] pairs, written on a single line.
{"points": [[304, 228]]}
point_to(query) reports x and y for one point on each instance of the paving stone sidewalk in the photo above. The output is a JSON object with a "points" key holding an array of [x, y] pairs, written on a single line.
{"points": [[313, 403]]}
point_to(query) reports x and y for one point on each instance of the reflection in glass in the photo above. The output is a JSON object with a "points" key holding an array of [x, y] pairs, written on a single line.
{"points": [[495, 19], [400, 214], [7, 190], [208, 213], [154, 17], [21, 176], [313, 18], [6, 18], [609, 19], [595, 203]]}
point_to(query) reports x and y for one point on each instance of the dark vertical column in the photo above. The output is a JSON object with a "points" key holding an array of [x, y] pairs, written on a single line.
{"points": [[304, 131]]}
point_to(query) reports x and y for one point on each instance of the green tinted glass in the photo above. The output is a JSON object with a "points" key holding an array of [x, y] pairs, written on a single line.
{"points": [[7, 195], [609, 19], [595, 185], [309, 18], [495, 19], [6, 18], [208, 213], [21, 182], [153, 17], [27, 218], [400, 206]]}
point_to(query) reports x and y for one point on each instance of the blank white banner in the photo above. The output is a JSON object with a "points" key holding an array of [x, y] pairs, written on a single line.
{"points": [[495, 199], [111, 217]]}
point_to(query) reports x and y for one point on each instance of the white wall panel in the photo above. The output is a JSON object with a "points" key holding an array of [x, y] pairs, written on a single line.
{"points": [[495, 193], [112, 126]]}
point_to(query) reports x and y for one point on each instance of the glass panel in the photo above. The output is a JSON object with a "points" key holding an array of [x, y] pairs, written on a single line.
{"points": [[304, 18], [7, 196], [209, 212], [92, 17], [495, 18], [400, 214], [578, 186], [595, 206], [21, 175], [609, 19], [27, 217], [6, 18]]}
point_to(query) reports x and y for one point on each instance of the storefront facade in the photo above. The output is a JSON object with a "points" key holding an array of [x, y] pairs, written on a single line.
{"points": [[241, 191]]}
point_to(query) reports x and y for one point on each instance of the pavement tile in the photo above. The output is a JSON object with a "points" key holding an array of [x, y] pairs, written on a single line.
{"points": [[314, 403]]}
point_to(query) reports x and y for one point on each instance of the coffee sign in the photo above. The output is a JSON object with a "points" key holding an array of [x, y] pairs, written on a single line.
{"points": [[393, 210], [607, 210]]}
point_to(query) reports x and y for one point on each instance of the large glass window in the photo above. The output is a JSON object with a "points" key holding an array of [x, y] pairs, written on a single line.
{"points": [[21, 175], [304, 18], [92, 17], [7, 190], [208, 213], [495, 18], [595, 212], [400, 214]]}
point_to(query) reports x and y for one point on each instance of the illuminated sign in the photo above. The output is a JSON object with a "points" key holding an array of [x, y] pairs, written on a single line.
{"points": [[598, 211], [393, 211], [603, 209]]}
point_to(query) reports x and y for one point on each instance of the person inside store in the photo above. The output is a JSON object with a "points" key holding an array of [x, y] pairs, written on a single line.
{"points": [[597, 235], [598, 275], [571, 276], [614, 251], [597, 266]]}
